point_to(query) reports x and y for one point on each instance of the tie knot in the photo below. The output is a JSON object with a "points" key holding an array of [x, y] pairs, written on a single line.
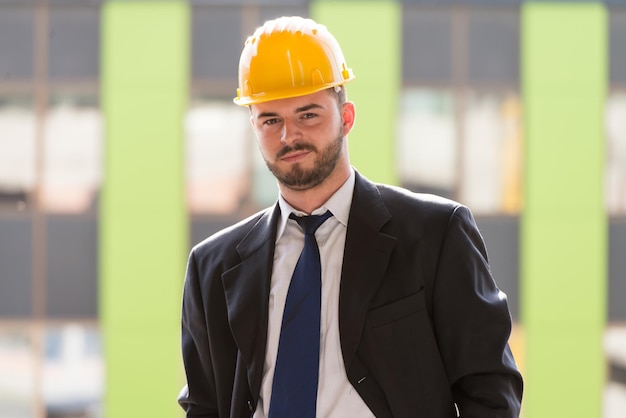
{"points": [[309, 224]]}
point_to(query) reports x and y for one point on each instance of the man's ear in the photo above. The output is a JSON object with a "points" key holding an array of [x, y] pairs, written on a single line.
{"points": [[348, 116], [252, 121]]}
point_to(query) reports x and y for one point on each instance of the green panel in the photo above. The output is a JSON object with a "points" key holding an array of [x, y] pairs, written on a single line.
{"points": [[564, 232], [370, 36], [145, 66]]}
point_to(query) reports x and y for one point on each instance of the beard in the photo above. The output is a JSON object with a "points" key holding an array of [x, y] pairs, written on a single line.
{"points": [[298, 178]]}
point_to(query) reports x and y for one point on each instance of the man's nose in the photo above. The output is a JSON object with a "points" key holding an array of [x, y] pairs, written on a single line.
{"points": [[289, 133]]}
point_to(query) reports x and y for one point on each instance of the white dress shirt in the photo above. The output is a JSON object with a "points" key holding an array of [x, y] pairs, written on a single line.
{"points": [[336, 398]]}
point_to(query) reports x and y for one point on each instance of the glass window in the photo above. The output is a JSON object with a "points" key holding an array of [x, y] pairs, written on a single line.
{"points": [[216, 43], [16, 271], [493, 46], [427, 149], [617, 43], [17, 380], [218, 160], [427, 45], [72, 272], [16, 43], [490, 180], [73, 372], [462, 144], [72, 169], [74, 43], [17, 152], [272, 12], [615, 175], [614, 402], [615, 182]]}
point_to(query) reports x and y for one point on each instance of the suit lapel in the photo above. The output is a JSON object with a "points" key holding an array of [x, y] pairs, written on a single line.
{"points": [[246, 288], [366, 256]]}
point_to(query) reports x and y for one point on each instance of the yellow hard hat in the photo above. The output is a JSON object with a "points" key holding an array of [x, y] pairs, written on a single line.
{"points": [[289, 57]]}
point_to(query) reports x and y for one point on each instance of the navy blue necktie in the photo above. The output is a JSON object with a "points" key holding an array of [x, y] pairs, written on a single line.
{"points": [[294, 390]]}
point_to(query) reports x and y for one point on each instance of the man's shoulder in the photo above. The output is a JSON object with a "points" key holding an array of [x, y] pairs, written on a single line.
{"points": [[231, 236], [394, 196], [399, 198], [396, 192]]}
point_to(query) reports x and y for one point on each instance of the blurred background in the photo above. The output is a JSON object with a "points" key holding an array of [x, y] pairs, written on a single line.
{"points": [[120, 149]]}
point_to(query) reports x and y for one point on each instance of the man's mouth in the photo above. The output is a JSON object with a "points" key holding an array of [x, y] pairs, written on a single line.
{"points": [[295, 156]]}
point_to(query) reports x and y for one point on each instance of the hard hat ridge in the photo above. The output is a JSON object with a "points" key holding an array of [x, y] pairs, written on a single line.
{"points": [[289, 24]]}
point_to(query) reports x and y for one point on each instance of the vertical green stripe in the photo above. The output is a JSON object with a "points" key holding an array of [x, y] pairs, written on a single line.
{"points": [[370, 36], [564, 235], [143, 217]]}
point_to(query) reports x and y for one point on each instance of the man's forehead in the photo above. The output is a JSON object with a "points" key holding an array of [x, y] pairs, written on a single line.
{"points": [[294, 104]]}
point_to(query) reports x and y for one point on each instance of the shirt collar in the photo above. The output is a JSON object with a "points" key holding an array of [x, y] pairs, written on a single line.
{"points": [[339, 204]]}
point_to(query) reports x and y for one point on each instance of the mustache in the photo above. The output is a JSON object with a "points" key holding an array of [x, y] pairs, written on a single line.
{"points": [[298, 147]]}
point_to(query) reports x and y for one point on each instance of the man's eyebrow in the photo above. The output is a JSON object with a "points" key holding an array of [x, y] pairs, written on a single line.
{"points": [[309, 107], [298, 110], [267, 115]]}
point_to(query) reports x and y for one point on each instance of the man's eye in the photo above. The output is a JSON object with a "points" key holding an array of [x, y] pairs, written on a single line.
{"points": [[272, 121], [308, 115]]}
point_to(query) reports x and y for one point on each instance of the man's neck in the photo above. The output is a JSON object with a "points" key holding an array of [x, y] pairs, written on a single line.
{"points": [[310, 199]]}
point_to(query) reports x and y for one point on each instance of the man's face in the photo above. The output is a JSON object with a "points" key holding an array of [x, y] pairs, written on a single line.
{"points": [[302, 138]]}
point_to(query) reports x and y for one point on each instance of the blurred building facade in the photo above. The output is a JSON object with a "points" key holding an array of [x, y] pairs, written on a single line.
{"points": [[440, 92]]}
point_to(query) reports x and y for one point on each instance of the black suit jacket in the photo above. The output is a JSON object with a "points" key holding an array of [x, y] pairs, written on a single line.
{"points": [[423, 326]]}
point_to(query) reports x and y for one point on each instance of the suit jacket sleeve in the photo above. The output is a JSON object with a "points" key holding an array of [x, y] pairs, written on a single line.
{"points": [[198, 398], [472, 324]]}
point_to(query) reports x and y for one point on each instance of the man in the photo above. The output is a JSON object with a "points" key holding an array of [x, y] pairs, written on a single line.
{"points": [[411, 321]]}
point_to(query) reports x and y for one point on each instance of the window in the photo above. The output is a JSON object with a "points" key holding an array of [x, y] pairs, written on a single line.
{"points": [[427, 147], [73, 50], [17, 152], [73, 372], [615, 180], [50, 175], [615, 176], [17, 380], [459, 126], [492, 149], [16, 43], [218, 156], [72, 167]]}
